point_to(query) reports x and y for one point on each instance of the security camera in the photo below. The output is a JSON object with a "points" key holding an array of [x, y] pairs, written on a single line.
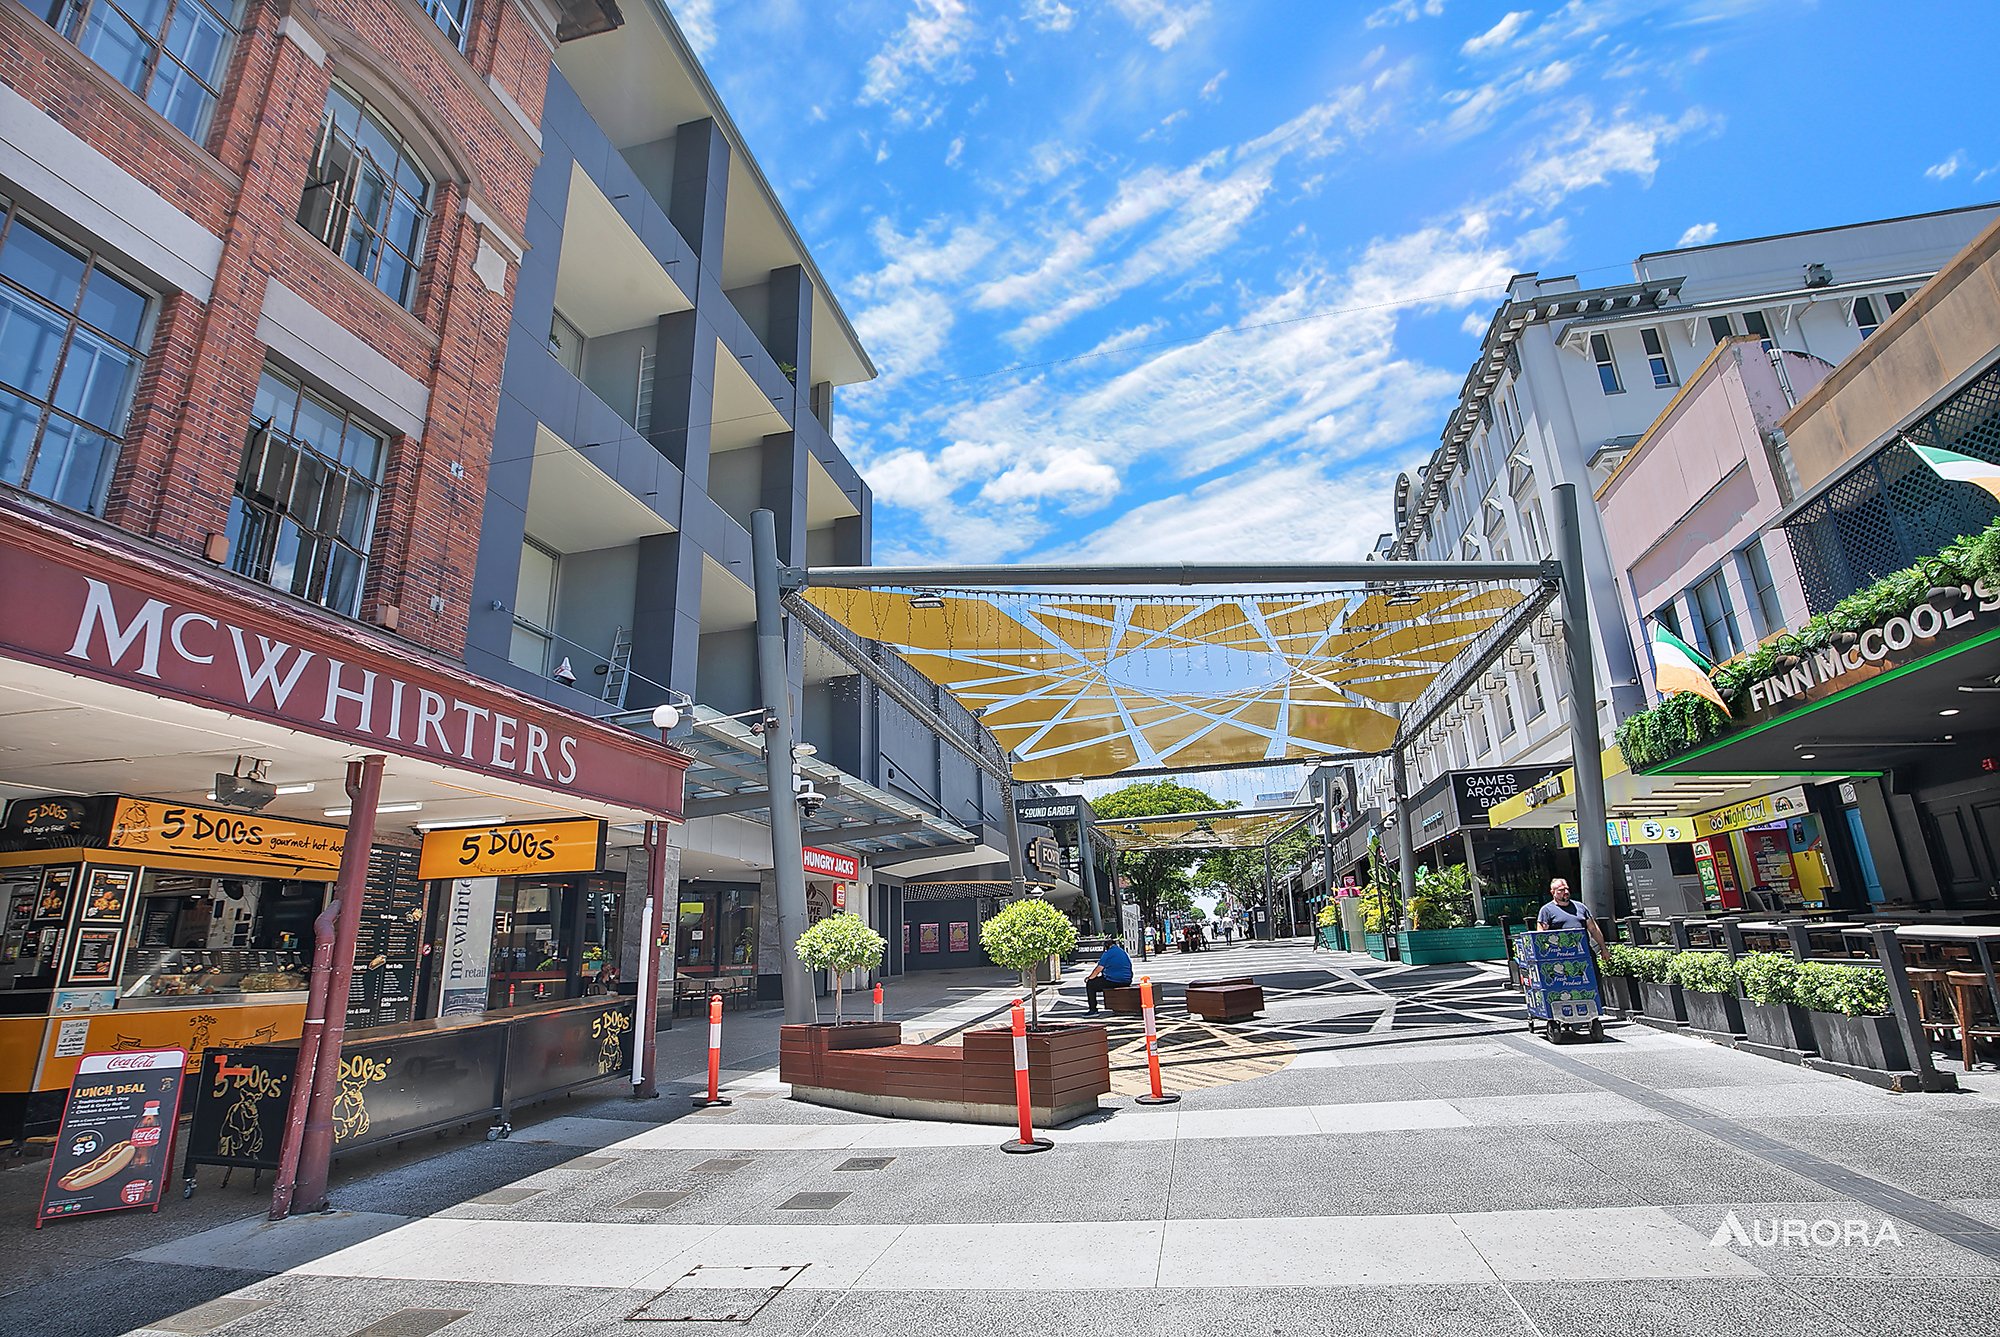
{"points": [[809, 797]]}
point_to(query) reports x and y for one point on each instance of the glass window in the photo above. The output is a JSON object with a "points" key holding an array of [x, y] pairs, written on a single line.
{"points": [[1768, 606], [1531, 693], [169, 52], [1894, 301], [1669, 616], [1480, 736], [535, 608], [1607, 366], [451, 17], [566, 344], [1720, 635], [1865, 318], [71, 341], [1657, 361], [1503, 714], [366, 195], [305, 497], [1718, 328], [1754, 323]]}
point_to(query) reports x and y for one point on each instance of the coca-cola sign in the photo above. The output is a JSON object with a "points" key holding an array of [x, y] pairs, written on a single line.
{"points": [[90, 611]]}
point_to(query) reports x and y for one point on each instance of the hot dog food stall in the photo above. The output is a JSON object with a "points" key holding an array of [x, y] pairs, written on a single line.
{"points": [[134, 924]]}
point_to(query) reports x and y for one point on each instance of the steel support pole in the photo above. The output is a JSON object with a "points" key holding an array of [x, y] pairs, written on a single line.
{"points": [[1593, 844], [1087, 857], [364, 792], [1270, 918], [1406, 842], [774, 684], [646, 1002], [1017, 854]]}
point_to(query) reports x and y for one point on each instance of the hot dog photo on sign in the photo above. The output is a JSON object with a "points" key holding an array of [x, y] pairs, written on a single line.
{"points": [[117, 1133]]}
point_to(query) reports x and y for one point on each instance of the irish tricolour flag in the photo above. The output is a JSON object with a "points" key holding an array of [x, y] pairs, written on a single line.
{"points": [[1961, 468], [1679, 667]]}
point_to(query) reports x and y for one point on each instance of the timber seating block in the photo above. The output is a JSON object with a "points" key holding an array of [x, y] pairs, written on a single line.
{"points": [[1123, 998], [1069, 1067], [1225, 1000]]}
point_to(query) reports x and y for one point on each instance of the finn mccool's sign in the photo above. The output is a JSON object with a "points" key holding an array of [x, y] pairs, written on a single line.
{"points": [[1821, 673]]}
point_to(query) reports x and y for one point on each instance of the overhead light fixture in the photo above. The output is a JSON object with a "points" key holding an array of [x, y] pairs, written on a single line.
{"points": [[282, 789], [1403, 599], [1807, 756], [380, 808], [1952, 711], [926, 599], [804, 750], [456, 821]]}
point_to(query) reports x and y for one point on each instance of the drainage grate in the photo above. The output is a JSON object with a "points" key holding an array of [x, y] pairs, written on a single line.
{"points": [[811, 1202], [721, 1165], [411, 1323], [671, 1197], [589, 1163], [208, 1317], [506, 1197], [865, 1163], [712, 1294]]}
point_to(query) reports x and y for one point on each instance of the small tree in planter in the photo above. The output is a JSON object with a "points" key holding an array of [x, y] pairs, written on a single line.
{"points": [[1850, 1015], [840, 943], [1769, 982], [1022, 936], [1653, 968], [1708, 982]]}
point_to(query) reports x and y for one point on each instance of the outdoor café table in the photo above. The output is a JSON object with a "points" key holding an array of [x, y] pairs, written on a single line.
{"points": [[1981, 939]]}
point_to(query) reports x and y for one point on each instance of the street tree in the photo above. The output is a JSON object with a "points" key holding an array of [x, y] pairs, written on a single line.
{"points": [[1151, 874]]}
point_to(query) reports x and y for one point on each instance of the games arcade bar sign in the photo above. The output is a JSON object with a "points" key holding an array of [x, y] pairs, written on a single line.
{"points": [[86, 612]]}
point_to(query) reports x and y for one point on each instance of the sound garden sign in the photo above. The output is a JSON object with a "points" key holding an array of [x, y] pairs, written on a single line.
{"points": [[1895, 642]]}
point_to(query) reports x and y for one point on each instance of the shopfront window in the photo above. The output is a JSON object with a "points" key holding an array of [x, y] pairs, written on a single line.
{"points": [[198, 936], [717, 931], [554, 938]]}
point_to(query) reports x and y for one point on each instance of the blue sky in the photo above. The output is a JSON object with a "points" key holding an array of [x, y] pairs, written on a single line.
{"points": [[1151, 280]]}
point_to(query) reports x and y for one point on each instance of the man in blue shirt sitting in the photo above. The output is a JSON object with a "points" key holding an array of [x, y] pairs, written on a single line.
{"points": [[1114, 970]]}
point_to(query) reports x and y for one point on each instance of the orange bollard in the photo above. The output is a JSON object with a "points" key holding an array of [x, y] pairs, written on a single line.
{"points": [[715, 1096], [878, 1002], [1152, 1045], [1029, 1142]]}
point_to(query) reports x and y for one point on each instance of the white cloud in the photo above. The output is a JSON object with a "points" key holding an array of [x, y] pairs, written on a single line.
{"points": [[930, 43], [1404, 11], [1164, 22], [955, 152], [1297, 511], [1499, 35], [1074, 478], [697, 20], [1593, 152], [1049, 15], [1475, 324], [1211, 89], [1699, 235], [1946, 170]]}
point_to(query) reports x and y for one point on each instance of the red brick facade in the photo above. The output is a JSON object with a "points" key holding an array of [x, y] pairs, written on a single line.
{"points": [[191, 412]]}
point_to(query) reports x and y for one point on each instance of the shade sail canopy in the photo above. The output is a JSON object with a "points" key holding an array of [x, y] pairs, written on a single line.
{"points": [[1106, 684], [1236, 829]]}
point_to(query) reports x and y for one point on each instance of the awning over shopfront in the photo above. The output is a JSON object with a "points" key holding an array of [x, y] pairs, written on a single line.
{"points": [[1645, 809], [1231, 828], [727, 778]]}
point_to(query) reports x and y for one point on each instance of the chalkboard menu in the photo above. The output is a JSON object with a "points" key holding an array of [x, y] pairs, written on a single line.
{"points": [[388, 950]]}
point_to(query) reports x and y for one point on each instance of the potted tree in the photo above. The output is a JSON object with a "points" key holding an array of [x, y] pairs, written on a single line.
{"points": [[1769, 983], [1661, 996], [1069, 1065], [1708, 984], [839, 943], [1441, 927], [1850, 1016]]}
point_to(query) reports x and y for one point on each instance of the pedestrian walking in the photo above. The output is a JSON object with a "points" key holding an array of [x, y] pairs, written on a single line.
{"points": [[1564, 911]]}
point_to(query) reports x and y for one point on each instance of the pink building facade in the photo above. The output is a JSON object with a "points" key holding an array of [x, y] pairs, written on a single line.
{"points": [[1687, 511]]}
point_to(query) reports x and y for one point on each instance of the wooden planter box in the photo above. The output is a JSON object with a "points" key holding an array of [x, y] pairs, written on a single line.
{"points": [[1778, 1026], [1069, 1067], [1428, 946], [1860, 1042], [1714, 1013], [1663, 1002], [802, 1049]]}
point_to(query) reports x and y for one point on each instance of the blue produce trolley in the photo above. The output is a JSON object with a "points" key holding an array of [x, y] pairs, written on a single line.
{"points": [[1559, 977]]}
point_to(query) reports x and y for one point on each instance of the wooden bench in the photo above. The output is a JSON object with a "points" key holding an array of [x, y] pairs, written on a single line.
{"points": [[864, 1067], [1122, 998], [1225, 1000]]}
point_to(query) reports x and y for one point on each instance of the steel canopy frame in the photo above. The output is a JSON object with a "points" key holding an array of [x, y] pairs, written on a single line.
{"points": [[1565, 572]]}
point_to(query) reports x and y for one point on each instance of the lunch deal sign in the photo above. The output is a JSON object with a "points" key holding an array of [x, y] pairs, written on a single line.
{"points": [[117, 1134], [513, 849]]}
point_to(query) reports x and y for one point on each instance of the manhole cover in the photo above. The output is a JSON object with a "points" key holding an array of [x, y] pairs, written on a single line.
{"points": [[506, 1197], [208, 1317], [411, 1323], [721, 1165], [589, 1163], [865, 1163], [811, 1202], [655, 1198], [712, 1294]]}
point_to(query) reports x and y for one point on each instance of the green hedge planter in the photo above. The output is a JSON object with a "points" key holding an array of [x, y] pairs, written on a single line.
{"points": [[1429, 946]]}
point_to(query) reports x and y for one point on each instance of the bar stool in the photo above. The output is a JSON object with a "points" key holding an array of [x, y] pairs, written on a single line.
{"points": [[1936, 1012], [1972, 1005]]}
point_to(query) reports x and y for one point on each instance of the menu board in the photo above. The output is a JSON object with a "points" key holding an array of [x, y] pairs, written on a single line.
{"points": [[116, 1135], [96, 957], [390, 944]]}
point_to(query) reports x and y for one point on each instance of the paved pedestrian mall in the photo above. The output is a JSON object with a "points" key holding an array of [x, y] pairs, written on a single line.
{"points": [[1386, 1151]]}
